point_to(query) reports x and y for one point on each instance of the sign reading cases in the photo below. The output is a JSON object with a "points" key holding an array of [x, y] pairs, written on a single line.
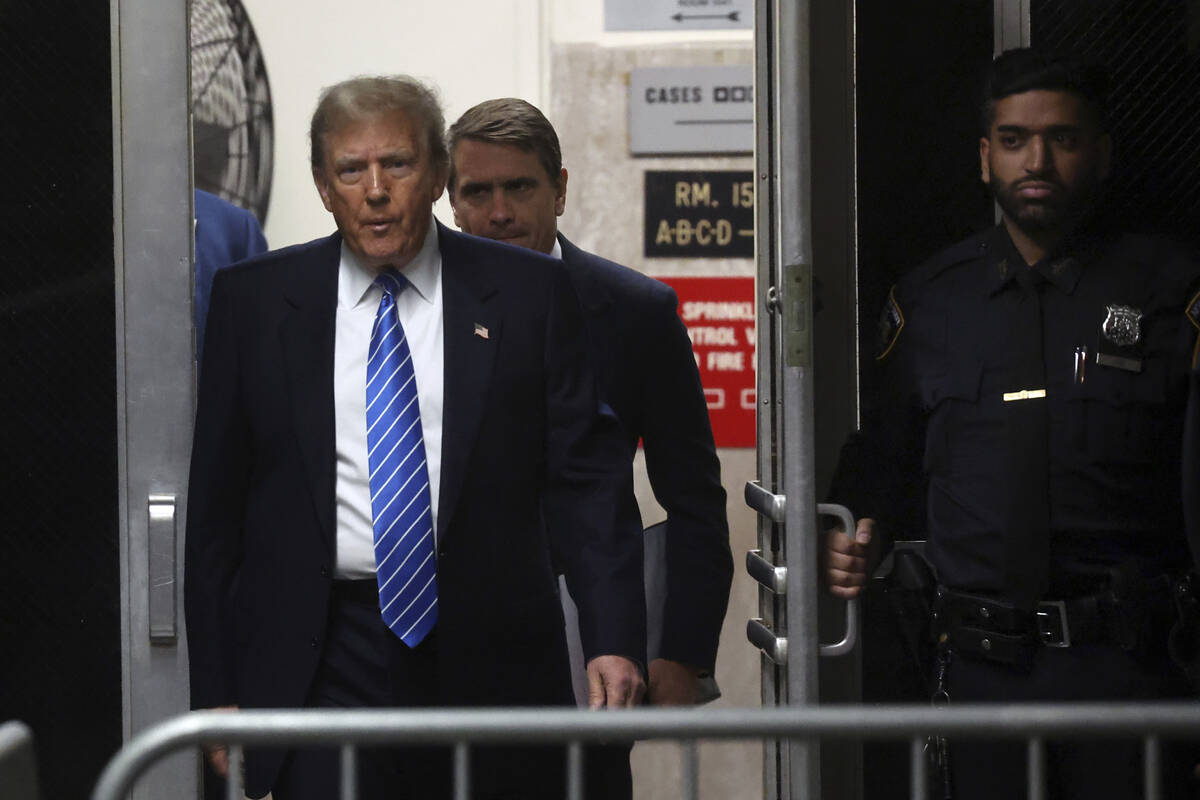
{"points": [[699, 214], [674, 110]]}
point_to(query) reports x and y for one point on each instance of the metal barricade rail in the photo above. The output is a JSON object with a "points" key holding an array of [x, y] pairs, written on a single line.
{"points": [[1151, 722], [18, 768]]}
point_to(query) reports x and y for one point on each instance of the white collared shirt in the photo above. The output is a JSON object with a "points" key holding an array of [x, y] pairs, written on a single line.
{"points": [[419, 308], [556, 251]]}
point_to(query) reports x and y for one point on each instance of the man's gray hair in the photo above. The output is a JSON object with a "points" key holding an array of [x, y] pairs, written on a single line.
{"points": [[509, 121], [368, 96]]}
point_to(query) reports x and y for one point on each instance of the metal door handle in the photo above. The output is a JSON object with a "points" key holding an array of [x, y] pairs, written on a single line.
{"points": [[850, 638], [767, 574], [771, 506], [161, 586], [762, 637]]}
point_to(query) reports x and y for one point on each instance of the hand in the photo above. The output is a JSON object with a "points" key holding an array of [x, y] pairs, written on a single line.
{"points": [[218, 754], [614, 682], [845, 559], [673, 683]]}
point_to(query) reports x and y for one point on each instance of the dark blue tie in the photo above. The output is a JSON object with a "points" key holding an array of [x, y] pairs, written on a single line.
{"points": [[404, 562]]}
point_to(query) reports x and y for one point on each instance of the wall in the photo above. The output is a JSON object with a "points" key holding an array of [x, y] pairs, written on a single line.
{"points": [[604, 213]]}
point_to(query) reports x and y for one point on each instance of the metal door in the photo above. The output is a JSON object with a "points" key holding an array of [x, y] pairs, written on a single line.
{"points": [[784, 495], [152, 212], [809, 247]]}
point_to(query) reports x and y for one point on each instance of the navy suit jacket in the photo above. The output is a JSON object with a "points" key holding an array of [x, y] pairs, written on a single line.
{"points": [[526, 456], [225, 234], [647, 374]]}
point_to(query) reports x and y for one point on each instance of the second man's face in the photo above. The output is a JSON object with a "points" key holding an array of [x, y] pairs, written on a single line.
{"points": [[503, 192]]}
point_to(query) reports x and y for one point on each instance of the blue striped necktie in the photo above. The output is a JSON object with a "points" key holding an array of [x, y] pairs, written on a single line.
{"points": [[405, 567]]}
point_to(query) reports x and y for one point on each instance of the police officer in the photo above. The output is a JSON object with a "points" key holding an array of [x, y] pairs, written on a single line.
{"points": [[1035, 382]]}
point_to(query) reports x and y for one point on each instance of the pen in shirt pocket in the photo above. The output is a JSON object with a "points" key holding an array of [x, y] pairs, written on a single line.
{"points": [[1081, 353]]}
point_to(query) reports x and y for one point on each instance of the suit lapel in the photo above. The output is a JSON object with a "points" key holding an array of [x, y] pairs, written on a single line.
{"points": [[594, 296], [307, 340], [599, 311], [472, 337]]}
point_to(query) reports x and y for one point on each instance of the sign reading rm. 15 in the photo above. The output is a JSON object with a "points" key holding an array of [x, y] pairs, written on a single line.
{"points": [[699, 214]]}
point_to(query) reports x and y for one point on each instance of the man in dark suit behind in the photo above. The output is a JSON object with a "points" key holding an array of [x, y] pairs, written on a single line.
{"points": [[507, 183], [285, 555]]}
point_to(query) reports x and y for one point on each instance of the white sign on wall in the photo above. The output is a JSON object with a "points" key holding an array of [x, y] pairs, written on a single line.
{"points": [[673, 15], [678, 110]]}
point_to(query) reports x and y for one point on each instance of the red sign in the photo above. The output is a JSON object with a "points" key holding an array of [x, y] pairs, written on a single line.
{"points": [[719, 315]]}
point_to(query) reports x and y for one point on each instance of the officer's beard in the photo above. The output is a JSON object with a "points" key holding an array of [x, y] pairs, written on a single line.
{"points": [[1056, 215]]}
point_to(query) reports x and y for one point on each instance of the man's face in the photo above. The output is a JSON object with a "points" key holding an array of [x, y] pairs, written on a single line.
{"points": [[503, 192], [1044, 159], [380, 186]]}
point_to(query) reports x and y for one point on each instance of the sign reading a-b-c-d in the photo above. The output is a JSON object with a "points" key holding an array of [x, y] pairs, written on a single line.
{"points": [[675, 15], [699, 214]]}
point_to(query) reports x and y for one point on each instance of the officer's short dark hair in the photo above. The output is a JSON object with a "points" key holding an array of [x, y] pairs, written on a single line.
{"points": [[1027, 69], [508, 121]]}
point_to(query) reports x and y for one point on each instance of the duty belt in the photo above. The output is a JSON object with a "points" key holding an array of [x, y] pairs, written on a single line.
{"points": [[992, 629]]}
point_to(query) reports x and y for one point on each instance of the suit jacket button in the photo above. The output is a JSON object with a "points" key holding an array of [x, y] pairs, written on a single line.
{"points": [[324, 572], [313, 642]]}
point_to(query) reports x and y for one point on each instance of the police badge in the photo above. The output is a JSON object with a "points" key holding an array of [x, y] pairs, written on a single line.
{"points": [[1123, 325]]}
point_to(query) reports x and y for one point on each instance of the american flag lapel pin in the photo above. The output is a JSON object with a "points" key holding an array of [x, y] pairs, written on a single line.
{"points": [[481, 331]]}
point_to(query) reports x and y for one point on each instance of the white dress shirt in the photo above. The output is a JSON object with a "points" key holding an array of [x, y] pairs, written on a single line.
{"points": [[419, 308]]}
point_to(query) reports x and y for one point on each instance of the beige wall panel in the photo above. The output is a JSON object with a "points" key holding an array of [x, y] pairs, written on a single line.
{"points": [[604, 214], [589, 108]]}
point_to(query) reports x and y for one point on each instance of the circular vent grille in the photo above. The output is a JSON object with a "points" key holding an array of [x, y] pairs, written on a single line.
{"points": [[232, 125]]}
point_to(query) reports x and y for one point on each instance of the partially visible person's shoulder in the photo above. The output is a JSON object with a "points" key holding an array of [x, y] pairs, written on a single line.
{"points": [[210, 205], [626, 284]]}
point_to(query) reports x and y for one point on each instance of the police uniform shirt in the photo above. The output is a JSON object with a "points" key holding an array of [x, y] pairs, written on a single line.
{"points": [[1118, 348]]}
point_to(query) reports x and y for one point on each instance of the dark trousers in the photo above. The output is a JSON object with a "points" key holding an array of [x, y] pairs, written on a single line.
{"points": [[1082, 768], [365, 665]]}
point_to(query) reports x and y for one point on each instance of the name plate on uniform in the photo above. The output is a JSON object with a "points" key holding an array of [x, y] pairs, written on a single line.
{"points": [[1024, 394]]}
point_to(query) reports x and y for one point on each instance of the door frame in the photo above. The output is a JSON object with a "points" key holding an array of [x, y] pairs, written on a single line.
{"points": [[153, 230]]}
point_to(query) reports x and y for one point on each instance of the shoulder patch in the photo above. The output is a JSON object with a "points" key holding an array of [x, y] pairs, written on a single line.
{"points": [[891, 322], [1193, 314]]}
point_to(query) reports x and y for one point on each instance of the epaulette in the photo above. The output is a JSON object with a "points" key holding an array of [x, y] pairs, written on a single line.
{"points": [[891, 320], [968, 250]]}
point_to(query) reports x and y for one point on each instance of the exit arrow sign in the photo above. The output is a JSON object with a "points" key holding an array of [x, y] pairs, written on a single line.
{"points": [[732, 16], [673, 15]]}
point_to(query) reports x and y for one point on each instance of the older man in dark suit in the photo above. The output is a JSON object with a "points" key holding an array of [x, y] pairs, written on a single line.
{"points": [[394, 423]]}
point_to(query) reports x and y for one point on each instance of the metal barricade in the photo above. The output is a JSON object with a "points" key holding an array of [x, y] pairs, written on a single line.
{"points": [[18, 767], [462, 729]]}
